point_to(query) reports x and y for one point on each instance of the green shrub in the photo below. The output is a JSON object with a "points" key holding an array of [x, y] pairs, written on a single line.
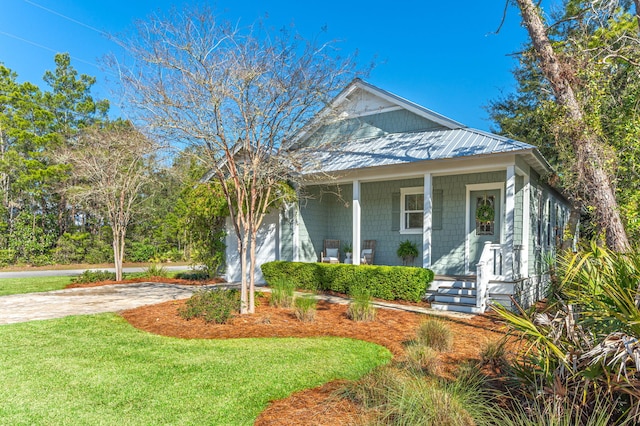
{"points": [[155, 270], [99, 252], [494, 354], [213, 306], [140, 252], [94, 277], [193, 275], [423, 359], [360, 308], [435, 334], [305, 308], [7, 257], [384, 282], [282, 293], [395, 397]]}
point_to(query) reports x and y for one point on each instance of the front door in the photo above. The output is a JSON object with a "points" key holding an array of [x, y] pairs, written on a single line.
{"points": [[485, 222]]}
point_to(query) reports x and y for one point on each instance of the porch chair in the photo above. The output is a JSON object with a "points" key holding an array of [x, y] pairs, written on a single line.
{"points": [[368, 252], [331, 251]]}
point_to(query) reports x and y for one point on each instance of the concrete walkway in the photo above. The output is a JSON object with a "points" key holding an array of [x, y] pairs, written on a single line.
{"points": [[113, 298]]}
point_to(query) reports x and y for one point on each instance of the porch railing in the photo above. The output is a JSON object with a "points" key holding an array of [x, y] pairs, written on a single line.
{"points": [[492, 266]]}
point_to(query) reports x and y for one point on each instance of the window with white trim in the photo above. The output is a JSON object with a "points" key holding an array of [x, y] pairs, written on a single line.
{"points": [[411, 210]]}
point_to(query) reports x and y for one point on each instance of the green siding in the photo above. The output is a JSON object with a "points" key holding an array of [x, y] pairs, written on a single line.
{"points": [[325, 213], [370, 126], [378, 221], [448, 243]]}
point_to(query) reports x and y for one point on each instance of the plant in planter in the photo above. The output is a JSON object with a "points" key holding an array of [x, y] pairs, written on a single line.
{"points": [[347, 249], [408, 251]]}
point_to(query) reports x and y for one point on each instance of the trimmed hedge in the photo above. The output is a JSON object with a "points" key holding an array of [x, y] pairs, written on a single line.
{"points": [[383, 282]]}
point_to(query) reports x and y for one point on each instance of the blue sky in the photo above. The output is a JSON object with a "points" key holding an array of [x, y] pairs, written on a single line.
{"points": [[442, 55]]}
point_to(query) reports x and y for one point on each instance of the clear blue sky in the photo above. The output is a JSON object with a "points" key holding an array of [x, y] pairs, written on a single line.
{"points": [[442, 55]]}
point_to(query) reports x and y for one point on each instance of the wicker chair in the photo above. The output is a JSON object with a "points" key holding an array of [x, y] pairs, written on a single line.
{"points": [[368, 252], [331, 251]]}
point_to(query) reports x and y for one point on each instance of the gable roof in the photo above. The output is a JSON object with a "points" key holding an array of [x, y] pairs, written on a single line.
{"points": [[384, 101], [404, 148], [448, 140]]}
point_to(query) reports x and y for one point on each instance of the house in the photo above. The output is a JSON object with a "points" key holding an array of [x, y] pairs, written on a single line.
{"points": [[382, 168]]}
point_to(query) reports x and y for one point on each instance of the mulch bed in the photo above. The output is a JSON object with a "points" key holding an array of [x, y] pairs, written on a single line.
{"points": [[319, 406]]}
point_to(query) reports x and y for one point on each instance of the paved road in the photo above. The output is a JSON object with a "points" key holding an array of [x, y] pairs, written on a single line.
{"points": [[73, 272], [81, 301]]}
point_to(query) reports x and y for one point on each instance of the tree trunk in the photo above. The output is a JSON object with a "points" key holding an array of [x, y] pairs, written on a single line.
{"points": [[242, 249], [117, 256], [572, 227], [594, 180]]}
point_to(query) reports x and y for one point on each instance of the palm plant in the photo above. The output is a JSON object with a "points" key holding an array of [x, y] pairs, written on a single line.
{"points": [[585, 346]]}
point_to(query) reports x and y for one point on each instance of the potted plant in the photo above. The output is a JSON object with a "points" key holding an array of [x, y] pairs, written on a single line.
{"points": [[348, 250], [408, 251]]}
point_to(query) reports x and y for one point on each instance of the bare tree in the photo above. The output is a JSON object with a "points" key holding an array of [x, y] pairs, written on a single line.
{"points": [[239, 93], [596, 184], [109, 167]]}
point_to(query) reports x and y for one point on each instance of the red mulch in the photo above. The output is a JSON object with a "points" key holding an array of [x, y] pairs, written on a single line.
{"points": [[319, 406], [148, 280]]}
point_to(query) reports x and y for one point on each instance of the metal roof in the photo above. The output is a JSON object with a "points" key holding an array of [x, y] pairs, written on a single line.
{"points": [[404, 148]]}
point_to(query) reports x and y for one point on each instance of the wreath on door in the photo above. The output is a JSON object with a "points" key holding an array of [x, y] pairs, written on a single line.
{"points": [[485, 211]]}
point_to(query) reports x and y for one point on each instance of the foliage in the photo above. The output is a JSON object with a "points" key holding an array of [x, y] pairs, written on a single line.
{"points": [[598, 47], [494, 354], [435, 334], [112, 166], [193, 275], [423, 359], [205, 212], [34, 125], [394, 396], [156, 270], [140, 252], [282, 293], [102, 362], [584, 347], [215, 305], [304, 307], [90, 276], [7, 257], [407, 250], [384, 282], [234, 95], [360, 307]]}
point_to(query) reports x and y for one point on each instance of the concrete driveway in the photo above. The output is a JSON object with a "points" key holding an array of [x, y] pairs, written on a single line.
{"points": [[92, 300]]}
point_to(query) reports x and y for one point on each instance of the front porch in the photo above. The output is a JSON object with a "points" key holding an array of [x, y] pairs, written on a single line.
{"points": [[446, 238]]}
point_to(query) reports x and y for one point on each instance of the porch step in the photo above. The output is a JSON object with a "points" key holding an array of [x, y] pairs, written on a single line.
{"points": [[454, 293], [446, 298], [456, 307]]}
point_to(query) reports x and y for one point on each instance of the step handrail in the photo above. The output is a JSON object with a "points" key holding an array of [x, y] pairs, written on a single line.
{"points": [[483, 274]]}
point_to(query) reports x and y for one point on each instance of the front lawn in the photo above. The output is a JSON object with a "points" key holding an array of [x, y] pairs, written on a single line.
{"points": [[99, 370], [32, 284]]}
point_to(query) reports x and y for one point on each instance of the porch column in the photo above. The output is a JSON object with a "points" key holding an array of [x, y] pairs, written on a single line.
{"points": [[509, 227], [526, 226], [427, 221], [296, 234], [355, 241]]}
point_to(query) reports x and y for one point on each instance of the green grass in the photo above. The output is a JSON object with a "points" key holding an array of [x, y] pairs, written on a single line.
{"points": [[98, 370], [32, 284]]}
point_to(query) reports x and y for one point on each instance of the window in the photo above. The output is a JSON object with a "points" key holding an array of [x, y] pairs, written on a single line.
{"points": [[412, 210]]}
